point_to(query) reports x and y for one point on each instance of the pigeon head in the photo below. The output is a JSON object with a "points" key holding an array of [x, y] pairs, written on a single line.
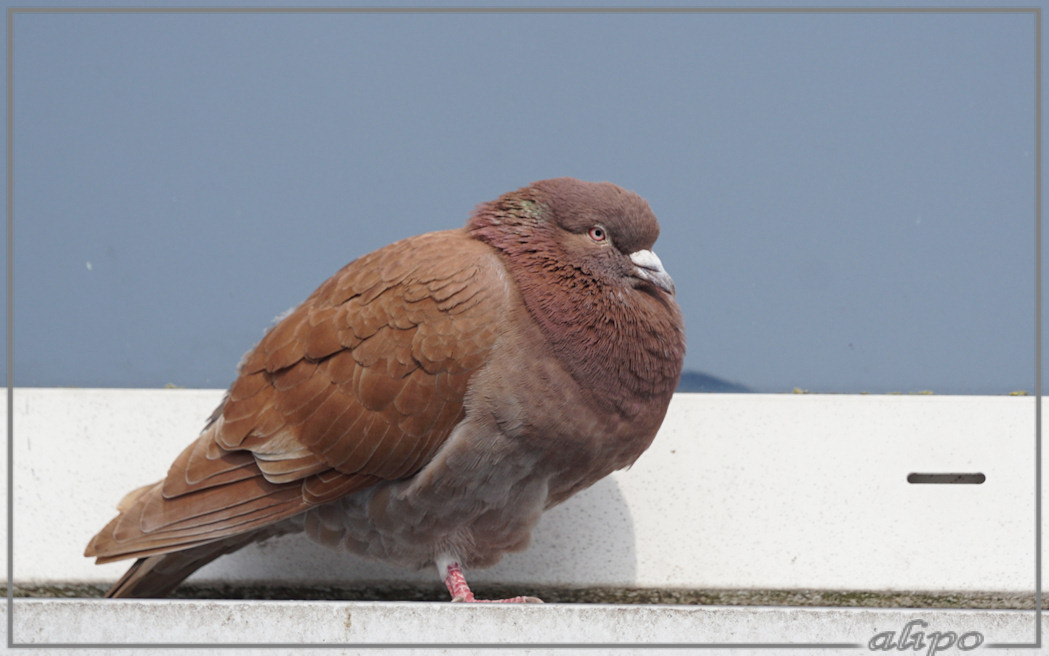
{"points": [[582, 256], [603, 230], [607, 231]]}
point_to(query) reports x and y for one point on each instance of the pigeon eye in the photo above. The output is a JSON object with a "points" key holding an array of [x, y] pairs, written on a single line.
{"points": [[597, 233]]}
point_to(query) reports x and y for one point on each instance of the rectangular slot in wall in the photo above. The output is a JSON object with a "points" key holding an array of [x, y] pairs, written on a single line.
{"points": [[946, 479]]}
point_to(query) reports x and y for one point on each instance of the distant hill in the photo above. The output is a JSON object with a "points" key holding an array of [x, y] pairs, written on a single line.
{"points": [[695, 381]]}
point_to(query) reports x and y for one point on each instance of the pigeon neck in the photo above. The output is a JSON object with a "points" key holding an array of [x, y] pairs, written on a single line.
{"points": [[623, 344]]}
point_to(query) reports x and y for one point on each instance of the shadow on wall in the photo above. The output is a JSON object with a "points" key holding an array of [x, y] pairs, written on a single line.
{"points": [[586, 541]]}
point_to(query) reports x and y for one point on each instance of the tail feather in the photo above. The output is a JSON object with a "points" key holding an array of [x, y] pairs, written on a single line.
{"points": [[156, 576]]}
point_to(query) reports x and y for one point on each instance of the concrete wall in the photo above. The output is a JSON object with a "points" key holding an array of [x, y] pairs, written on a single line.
{"points": [[739, 495]]}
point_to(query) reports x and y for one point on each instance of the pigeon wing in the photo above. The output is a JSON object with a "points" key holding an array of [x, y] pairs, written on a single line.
{"points": [[363, 382]]}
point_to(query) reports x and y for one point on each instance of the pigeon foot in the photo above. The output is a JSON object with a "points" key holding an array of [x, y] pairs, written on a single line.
{"points": [[460, 590]]}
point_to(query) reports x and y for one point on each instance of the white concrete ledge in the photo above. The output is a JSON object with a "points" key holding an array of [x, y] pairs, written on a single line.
{"points": [[79, 623], [738, 492]]}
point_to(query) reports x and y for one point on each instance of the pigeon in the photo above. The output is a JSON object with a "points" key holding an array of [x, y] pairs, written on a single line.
{"points": [[427, 403]]}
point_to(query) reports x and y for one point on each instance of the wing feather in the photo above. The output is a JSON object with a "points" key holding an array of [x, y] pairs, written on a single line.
{"points": [[361, 383]]}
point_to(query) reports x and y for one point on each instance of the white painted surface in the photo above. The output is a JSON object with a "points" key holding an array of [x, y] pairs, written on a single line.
{"points": [[737, 492], [356, 624]]}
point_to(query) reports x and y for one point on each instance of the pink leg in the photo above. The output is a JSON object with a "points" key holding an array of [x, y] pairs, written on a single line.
{"points": [[457, 586]]}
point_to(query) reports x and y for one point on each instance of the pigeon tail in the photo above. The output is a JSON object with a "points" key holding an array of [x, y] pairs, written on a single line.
{"points": [[154, 577]]}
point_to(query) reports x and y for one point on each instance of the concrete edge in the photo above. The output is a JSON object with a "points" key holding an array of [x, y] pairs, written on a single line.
{"points": [[78, 623]]}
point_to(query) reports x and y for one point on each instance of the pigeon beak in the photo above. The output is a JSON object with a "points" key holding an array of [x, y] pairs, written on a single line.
{"points": [[648, 267]]}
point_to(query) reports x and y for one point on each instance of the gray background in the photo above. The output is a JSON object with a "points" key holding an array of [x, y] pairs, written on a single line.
{"points": [[847, 200]]}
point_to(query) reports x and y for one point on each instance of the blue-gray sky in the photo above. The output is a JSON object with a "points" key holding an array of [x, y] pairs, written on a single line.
{"points": [[847, 200]]}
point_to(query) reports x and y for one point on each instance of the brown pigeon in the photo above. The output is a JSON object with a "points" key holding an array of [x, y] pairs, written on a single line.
{"points": [[429, 401]]}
